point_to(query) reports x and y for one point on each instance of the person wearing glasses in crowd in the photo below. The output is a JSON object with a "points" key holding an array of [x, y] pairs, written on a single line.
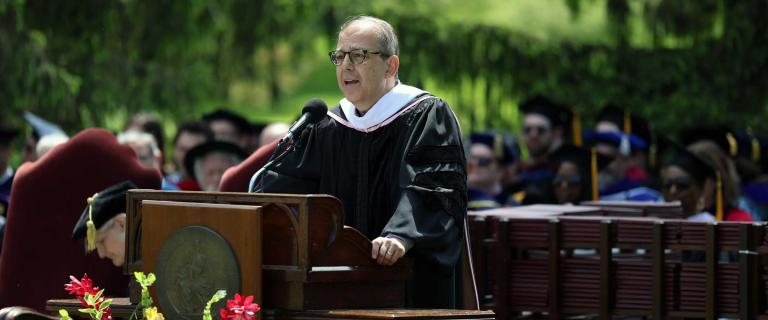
{"points": [[545, 128], [697, 183], [393, 155], [576, 174], [489, 157]]}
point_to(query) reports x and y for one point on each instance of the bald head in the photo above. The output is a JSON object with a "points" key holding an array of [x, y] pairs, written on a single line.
{"points": [[272, 132]]}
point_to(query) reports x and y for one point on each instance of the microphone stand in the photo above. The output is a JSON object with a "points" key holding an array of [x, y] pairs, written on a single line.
{"points": [[273, 160]]}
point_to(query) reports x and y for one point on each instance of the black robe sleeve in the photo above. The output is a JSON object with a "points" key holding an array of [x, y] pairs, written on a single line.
{"points": [[433, 187]]}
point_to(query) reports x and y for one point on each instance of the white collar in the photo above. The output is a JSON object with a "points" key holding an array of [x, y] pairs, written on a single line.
{"points": [[387, 106]]}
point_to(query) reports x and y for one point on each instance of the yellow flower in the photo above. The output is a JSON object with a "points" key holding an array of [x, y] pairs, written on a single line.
{"points": [[152, 314]]}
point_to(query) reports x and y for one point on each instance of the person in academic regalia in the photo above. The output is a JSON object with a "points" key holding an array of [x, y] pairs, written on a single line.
{"points": [[207, 162], [576, 172], [102, 223], [189, 135], [628, 140], [489, 157], [47, 199], [687, 178], [545, 129], [393, 155], [698, 184], [729, 181], [729, 151], [229, 126]]}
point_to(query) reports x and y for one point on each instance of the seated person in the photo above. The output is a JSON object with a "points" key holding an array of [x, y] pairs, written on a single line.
{"points": [[488, 157], [208, 161], [103, 223], [34, 267], [575, 176], [688, 178], [626, 139], [545, 128]]}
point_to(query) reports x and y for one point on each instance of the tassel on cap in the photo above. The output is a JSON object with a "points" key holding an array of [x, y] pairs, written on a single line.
{"points": [[576, 125], [733, 145], [498, 146], [755, 146], [90, 242]]}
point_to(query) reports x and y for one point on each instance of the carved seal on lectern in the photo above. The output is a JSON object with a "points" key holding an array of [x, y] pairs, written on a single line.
{"points": [[193, 264]]}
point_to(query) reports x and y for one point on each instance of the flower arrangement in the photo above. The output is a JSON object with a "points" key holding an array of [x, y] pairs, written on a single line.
{"points": [[97, 307]]}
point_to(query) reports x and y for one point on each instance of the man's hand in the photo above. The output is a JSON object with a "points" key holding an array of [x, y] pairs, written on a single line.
{"points": [[387, 251]]}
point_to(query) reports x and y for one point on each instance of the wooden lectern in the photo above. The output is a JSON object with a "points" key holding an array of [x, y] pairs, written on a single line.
{"points": [[294, 248]]}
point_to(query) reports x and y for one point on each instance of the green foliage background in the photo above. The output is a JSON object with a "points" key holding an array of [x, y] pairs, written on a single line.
{"points": [[94, 62]]}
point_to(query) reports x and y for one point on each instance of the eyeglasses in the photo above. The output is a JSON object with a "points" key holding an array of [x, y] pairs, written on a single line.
{"points": [[538, 129], [357, 56], [482, 161], [571, 180], [682, 183]]}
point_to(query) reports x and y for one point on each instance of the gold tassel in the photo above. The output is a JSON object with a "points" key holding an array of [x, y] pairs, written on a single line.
{"points": [[576, 124], [627, 122], [719, 198], [498, 146], [755, 145], [653, 152], [733, 145], [593, 174], [90, 243]]}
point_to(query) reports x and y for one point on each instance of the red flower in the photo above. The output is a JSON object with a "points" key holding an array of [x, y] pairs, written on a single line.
{"points": [[80, 287], [240, 309]]}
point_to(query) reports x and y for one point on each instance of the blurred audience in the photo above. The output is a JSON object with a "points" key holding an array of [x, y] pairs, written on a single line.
{"points": [[189, 135], [489, 156], [272, 132], [208, 161], [229, 127]]}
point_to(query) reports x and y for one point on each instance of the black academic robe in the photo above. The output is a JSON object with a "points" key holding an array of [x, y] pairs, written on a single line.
{"points": [[405, 179]]}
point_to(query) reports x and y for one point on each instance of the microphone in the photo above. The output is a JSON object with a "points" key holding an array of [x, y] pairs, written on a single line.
{"points": [[312, 113]]}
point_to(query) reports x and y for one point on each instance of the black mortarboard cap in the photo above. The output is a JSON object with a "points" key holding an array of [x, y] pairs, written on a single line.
{"points": [[204, 149], [638, 126], [698, 168], [504, 149], [104, 206], [720, 135], [558, 114], [242, 124], [749, 145], [582, 157]]}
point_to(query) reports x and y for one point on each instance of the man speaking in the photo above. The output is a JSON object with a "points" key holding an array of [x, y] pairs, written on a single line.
{"points": [[393, 155]]}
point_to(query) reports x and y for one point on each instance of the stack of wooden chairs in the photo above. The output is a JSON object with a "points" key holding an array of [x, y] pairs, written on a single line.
{"points": [[617, 259]]}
